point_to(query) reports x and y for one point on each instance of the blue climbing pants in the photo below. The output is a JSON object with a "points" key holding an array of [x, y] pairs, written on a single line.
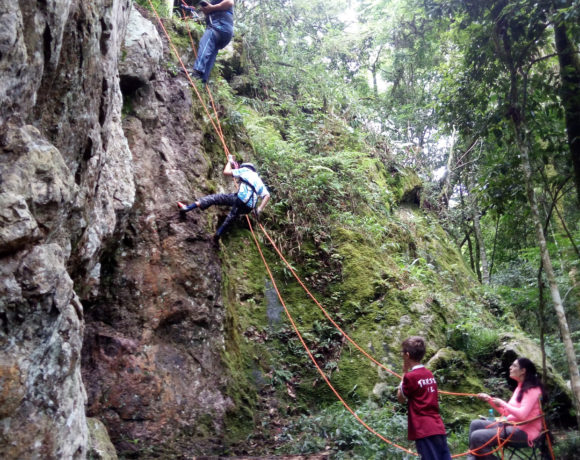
{"points": [[216, 36]]}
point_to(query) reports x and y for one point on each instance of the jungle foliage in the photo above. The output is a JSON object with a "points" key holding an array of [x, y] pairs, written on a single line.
{"points": [[339, 100], [438, 86]]}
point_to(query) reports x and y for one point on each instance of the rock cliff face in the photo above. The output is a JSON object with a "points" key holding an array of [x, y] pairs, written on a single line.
{"points": [[66, 182], [91, 247], [154, 332]]}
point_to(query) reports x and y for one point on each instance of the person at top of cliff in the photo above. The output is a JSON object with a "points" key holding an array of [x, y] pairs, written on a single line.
{"points": [[219, 19], [522, 408], [251, 190]]}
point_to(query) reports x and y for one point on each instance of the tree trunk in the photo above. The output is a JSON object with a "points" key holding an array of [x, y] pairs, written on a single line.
{"points": [[477, 260], [446, 179], [494, 245], [475, 215], [481, 246], [541, 305], [550, 275], [471, 259], [516, 115], [570, 96]]}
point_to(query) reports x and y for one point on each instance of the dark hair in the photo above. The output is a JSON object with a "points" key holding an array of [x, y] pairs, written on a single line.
{"points": [[249, 166], [531, 378], [415, 346]]}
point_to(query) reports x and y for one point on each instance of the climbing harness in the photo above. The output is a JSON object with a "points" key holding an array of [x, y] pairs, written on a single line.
{"points": [[193, 14], [253, 190]]}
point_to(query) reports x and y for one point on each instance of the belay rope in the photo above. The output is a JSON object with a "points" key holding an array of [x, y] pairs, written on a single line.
{"points": [[219, 132]]}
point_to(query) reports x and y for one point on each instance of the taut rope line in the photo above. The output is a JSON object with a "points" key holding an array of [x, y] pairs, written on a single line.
{"points": [[320, 371]]}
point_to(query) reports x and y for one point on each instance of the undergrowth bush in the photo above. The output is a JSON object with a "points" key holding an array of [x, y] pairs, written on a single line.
{"points": [[567, 445], [315, 187], [479, 343], [159, 5], [335, 429]]}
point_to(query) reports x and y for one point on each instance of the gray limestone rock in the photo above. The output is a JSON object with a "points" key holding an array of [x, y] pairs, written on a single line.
{"points": [[142, 52], [100, 446], [66, 182], [42, 395]]}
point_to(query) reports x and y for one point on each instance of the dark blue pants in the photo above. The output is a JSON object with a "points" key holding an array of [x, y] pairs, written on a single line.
{"points": [[239, 208], [433, 448], [215, 37]]}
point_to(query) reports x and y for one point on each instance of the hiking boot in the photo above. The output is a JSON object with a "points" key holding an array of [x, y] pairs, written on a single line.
{"points": [[193, 74]]}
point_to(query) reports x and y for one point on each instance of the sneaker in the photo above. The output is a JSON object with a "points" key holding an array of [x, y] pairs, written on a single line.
{"points": [[188, 72], [182, 209]]}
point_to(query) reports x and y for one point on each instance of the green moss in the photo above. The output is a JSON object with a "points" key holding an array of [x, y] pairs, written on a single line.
{"points": [[405, 185], [179, 32], [387, 273], [127, 108], [363, 266], [243, 295], [356, 375]]}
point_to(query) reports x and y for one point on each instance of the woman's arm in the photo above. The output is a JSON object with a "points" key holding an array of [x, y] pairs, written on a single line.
{"points": [[496, 403], [224, 5], [524, 409]]}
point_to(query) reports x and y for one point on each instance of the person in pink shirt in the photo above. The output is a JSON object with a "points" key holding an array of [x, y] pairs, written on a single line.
{"points": [[524, 405]]}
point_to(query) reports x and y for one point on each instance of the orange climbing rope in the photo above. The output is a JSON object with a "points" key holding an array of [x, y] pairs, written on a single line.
{"points": [[320, 371], [218, 128], [226, 151], [548, 440], [357, 346], [185, 18], [219, 132]]}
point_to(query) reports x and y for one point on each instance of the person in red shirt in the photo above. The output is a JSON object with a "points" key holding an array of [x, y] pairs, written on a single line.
{"points": [[419, 389], [523, 405]]}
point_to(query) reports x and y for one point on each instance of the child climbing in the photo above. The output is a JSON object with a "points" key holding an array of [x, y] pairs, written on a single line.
{"points": [[251, 190]]}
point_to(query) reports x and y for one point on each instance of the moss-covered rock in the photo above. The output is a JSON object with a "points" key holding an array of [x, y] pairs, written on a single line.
{"points": [[406, 185], [455, 374], [100, 445]]}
